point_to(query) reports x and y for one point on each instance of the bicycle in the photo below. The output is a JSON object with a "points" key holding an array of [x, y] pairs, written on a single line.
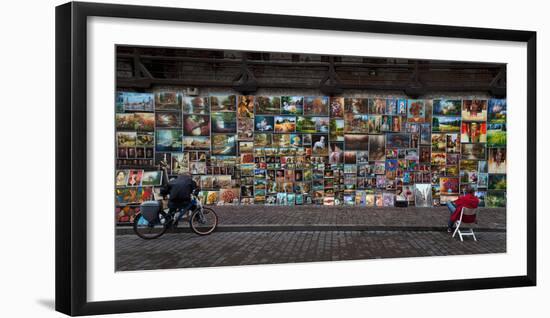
{"points": [[153, 221]]}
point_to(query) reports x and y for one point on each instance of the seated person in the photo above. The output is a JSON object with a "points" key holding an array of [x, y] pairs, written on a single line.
{"points": [[469, 200], [179, 191]]}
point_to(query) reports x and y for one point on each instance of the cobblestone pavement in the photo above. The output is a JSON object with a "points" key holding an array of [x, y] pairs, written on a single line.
{"points": [[183, 250]]}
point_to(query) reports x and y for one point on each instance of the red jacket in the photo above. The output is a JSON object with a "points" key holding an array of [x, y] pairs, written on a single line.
{"points": [[469, 201]]}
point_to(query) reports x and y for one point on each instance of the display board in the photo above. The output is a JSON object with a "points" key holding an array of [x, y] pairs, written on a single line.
{"points": [[286, 150]]}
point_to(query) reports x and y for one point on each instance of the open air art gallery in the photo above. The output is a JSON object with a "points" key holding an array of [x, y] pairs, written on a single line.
{"points": [[360, 150]]}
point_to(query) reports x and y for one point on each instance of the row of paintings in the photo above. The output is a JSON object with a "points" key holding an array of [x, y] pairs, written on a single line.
{"points": [[419, 194], [226, 122], [298, 166], [134, 186], [471, 132], [132, 145], [491, 110], [450, 185], [137, 178]]}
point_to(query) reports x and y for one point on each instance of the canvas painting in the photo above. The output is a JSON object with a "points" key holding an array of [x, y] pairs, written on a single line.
{"points": [[473, 132], [144, 121], [496, 135], [497, 160], [168, 140], [168, 120], [337, 105], [223, 122], [292, 105], [130, 101], [474, 151], [169, 100], [423, 195], [447, 107], [223, 103], [285, 124], [356, 106], [497, 111], [356, 142], [245, 107], [446, 124], [474, 110], [377, 148], [416, 111], [195, 105], [267, 105]]}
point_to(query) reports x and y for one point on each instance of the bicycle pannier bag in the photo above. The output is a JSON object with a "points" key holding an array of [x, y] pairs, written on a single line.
{"points": [[150, 210]]}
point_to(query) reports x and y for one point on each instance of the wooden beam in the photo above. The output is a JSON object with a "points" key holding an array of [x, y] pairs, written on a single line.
{"points": [[429, 65], [148, 83]]}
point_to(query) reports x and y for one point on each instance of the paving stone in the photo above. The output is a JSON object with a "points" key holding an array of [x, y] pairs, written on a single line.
{"points": [[184, 250]]}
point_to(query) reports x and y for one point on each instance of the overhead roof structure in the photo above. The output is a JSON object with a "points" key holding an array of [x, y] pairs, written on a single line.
{"points": [[141, 68]]}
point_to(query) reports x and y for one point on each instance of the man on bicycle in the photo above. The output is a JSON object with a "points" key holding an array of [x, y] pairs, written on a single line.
{"points": [[179, 191]]}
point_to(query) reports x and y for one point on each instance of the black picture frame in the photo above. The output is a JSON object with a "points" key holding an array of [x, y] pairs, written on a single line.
{"points": [[71, 157]]}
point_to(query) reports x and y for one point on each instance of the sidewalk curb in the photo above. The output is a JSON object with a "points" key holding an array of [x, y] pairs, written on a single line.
{"points": [[125, 230]]}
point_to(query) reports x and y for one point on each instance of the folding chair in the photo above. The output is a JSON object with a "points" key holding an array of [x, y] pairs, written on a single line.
{"points": [[467, 216]]}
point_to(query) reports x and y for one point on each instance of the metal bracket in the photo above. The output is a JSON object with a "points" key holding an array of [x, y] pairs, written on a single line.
{"points": [[331, 84], [245, 81], [497, 87], [140, 71], [415, 88]]}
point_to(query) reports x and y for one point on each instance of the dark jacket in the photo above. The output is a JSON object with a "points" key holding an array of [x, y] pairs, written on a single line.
{"points": [[180, 190]]}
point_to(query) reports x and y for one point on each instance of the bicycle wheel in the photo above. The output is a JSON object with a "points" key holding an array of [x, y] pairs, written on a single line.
{"points": [[205, 222], [148, 230]]}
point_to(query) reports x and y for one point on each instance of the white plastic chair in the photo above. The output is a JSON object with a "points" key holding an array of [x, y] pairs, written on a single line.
{"points": [[472, 216]]}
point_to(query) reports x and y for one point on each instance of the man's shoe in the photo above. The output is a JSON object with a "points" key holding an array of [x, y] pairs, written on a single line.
{"points": [[449, 230], [187, 215]]}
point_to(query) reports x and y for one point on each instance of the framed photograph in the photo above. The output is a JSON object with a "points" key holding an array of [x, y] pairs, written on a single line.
{"points": [[275, 132]]}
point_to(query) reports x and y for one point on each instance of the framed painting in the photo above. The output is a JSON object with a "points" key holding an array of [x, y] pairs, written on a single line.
{"points": [[278, 147]]}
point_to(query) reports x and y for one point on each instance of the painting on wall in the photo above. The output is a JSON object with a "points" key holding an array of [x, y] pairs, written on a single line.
{"points": [[447, 107], [267, 105], [416, 111], [423, 195], [196, 105], [169, 100], [497, 160], [131, 101], [474, 110]]}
